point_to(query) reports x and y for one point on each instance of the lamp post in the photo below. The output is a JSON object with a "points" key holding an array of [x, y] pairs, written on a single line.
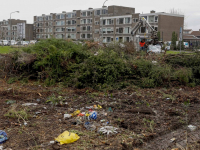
{"points": [[102, 22], [10, 22]]}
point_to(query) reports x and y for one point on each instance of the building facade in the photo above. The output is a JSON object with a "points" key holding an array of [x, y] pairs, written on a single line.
{"points": [[107, 24], [83, 24], [15, 30], [165, 23]]}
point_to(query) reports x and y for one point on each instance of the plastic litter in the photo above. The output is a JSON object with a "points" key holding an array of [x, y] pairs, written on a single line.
{"points": [[67, 137], [52, 142], [76, 113], [108, 130], [3, 136], [110, 109], [173, 139], [1, 147], [67, 116], [192, 128], [10, 102], [29, 104], [99, 106], [106, 123], [93, 115], [89, 126]]}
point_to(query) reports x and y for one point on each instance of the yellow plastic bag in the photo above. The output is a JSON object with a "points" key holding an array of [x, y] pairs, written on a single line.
{"points": [[67, 137], [76, 113]]}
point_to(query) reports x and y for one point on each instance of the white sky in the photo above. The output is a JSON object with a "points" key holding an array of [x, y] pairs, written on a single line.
{"points": [[30, 8]]}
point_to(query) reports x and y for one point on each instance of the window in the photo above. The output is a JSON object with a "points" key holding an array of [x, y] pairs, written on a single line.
{"points": [[83, 21], [71, 29], [71, 15], [104, 22], [117, 30], [143, 29], [127, 20], [88, 13], [156, 18], [96, 31], [121, 30], [69, 22], [60, 23], [109, 30], [135, 20], [59, 36], [126, 39], [97, 22], [88, 21], [61, 16], [83, 36], [73, 21], [88, 36], [145, 17], [108, 39], [98, 12], [126, 30], [156, 28], [88, 28], [109, 21], [121, 20], [104, 11], [83, 28], [151, 18], [83, 13]]}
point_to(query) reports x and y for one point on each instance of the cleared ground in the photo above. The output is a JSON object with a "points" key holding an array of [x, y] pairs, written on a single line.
{"points": [[147, 119]]}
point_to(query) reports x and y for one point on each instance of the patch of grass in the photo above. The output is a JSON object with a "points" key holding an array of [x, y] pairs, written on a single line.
{"points": [[5, 49], [19, 114]]}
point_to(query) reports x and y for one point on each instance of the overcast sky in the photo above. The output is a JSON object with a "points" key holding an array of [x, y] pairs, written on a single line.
{"points": [[30, 8]]}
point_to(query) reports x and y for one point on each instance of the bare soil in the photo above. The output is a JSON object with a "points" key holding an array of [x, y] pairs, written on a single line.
{"points": [[147, 119]]}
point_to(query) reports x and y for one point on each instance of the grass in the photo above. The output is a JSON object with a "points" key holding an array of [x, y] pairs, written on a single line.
{"points": [[5, 49], [178, 52]]}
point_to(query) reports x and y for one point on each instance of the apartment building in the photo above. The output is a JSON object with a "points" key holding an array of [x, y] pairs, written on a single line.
{"points": [[15, 30], [79, 24], [107, 24], [166, 23]]}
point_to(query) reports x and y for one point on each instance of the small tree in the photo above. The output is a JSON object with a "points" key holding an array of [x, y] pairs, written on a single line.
{"points": [[158, 35], [173, 43], [182, 45]]}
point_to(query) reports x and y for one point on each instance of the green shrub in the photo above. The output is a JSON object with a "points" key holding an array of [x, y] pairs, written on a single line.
{"points": [[184, 75]]}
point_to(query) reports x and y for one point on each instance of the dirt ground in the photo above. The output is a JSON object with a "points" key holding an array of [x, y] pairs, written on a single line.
{"points": [[147, 119]]}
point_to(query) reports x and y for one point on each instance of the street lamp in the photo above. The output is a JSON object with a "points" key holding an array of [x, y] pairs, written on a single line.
{"points": [[10, 22], [102, 22]]}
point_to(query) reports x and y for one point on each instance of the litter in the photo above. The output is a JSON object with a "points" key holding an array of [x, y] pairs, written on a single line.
{"points": [[10, 102], [110, 109], [67, 137], [76, 113], [108, 130], [38, 100], [29, 104], [67, 116], [1, 147], [52, 142], [192, 128], [3, 136], [93, 115], [173, 139], [99, 106], [89, 126]]}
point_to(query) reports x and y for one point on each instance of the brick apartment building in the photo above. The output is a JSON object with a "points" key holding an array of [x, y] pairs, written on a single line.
{"points": [[15, 29], [166, 23], [116, 23]]}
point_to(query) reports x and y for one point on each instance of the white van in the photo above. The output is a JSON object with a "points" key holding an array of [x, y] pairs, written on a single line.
{"points": [[4, 42], [186, 44]]}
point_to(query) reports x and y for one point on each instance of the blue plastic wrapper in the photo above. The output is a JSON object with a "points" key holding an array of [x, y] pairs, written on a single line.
{"points": [[3, 136], [93, 115]]}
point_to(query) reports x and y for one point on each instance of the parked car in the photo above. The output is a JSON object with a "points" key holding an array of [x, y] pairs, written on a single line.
{"points": [[24, 43], [12, 42], [4, 42], [33, 41], [186, 44]]}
